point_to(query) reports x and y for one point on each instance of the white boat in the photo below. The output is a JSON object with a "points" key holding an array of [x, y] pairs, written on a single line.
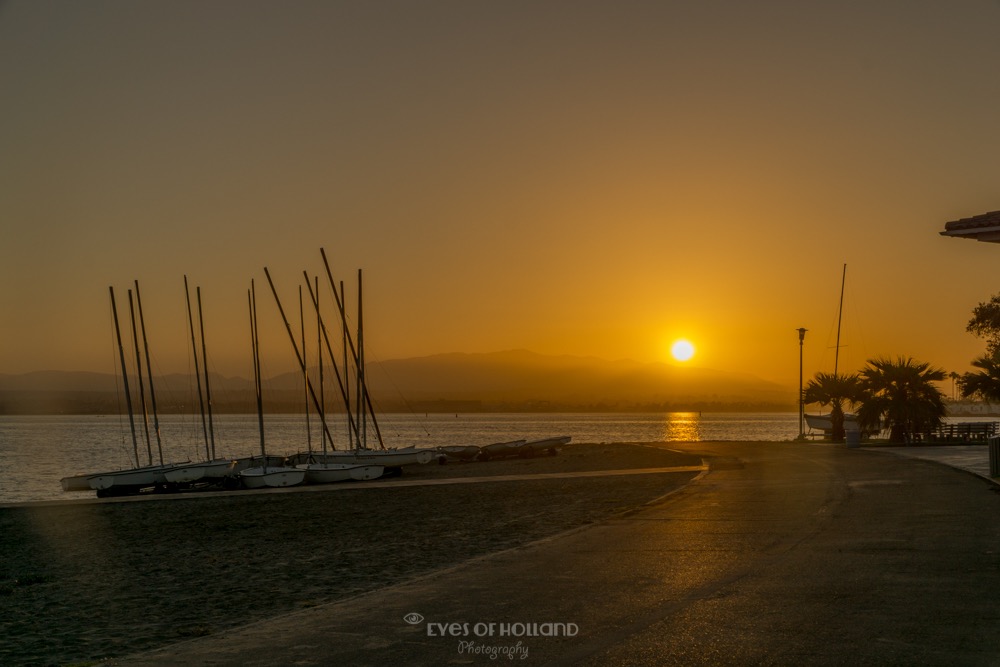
{"points": [[268, 477], [825, 422], [202, 471], [77, 482], [130, 480], [523, 448], [460, 452], [499, 450], [131, 476], [546, 445], [388, 458], [326, 473]]}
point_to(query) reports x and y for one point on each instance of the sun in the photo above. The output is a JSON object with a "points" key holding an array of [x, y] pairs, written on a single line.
{"points": [[682, 350]]}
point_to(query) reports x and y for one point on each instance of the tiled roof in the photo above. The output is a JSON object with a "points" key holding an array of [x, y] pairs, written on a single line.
{"points": [[991, 219]]}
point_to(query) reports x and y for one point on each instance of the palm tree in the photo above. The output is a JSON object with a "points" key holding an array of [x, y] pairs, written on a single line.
{"points": [[901, 397], [833, 390], [986, 383]]}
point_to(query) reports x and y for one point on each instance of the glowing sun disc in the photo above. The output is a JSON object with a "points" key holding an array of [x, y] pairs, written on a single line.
{"points": [[682, 350]]}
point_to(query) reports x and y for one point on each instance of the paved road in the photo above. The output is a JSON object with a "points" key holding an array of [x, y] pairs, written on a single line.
{"points": [[781, 554], [974, 458]]}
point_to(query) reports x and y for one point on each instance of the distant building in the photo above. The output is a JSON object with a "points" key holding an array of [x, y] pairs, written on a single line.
{"points": [[985, 227]]}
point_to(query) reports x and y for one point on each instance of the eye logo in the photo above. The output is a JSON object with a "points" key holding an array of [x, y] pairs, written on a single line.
{"points": [[413, 618]]}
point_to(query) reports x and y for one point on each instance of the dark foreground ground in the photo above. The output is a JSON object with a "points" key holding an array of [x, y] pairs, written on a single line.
{"points": [[82, 582], [782, 554]]}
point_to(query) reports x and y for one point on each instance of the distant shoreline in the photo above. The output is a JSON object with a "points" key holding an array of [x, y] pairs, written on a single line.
{"points": [[15, 403], [29, 404], [19, 403]]}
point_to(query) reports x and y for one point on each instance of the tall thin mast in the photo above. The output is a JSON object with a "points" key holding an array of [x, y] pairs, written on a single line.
{"points": [[149, 373], [319, 362], [128, 394], [138, 370], [255, 345], [340, 304], [840, 315], [204, 364], [347, 378], [305, 373], [354, 435], [197, 373], [363, 437]]}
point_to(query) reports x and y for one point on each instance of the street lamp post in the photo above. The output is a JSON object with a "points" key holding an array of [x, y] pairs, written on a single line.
{"points": [[802, 433]]}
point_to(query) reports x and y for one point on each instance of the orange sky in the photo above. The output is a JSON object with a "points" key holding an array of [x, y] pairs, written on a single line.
{"points": [[585, 178]]}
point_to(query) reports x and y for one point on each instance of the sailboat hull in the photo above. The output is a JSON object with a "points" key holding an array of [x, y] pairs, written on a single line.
{"points": [[137, 478], [389, 458], [193, 472], [259, 478], [76, 482], [825, 422], [522, 448], [545, 445], [327, 473], [460, 452]]}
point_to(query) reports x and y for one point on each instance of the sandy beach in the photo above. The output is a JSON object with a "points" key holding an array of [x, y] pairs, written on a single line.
{"points": [[83, 582]]}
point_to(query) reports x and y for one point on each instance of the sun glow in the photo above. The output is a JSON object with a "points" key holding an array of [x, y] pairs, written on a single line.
{"points": [[682, 350]]}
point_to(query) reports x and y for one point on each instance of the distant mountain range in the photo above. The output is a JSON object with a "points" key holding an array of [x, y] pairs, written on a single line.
{"points": [[515, 380]]}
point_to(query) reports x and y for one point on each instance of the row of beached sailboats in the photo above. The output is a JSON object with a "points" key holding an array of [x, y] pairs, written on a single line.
{"points": [[328, 465]]}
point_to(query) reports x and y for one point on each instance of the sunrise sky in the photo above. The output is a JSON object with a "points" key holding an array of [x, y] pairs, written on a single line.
{"points": [[584, 178]]}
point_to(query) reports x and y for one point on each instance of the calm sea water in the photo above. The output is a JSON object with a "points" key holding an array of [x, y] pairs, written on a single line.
{"points": [[37, 451]]}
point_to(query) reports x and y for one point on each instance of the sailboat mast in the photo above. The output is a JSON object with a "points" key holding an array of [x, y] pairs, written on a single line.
{"points": [[305, 373], [362, 423], [840, 315], [138, 371], [149, 373], [353, 428], [197, 373], [128, 394], [347, 378], [319, 362], [255, 346], [204, 363]]}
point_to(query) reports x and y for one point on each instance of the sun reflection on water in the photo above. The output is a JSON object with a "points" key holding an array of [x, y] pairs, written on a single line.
{"points": [[682, 427]]}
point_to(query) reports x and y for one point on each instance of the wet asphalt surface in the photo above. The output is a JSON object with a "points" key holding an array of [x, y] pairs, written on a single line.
{"points": [[781, 554]]}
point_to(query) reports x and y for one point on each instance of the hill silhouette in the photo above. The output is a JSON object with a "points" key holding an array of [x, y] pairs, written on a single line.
{"points": [[514, 380], [519, 376]]}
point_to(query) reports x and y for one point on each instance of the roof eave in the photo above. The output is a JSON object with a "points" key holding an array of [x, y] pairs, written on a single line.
{"points": [[986, 234]]}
